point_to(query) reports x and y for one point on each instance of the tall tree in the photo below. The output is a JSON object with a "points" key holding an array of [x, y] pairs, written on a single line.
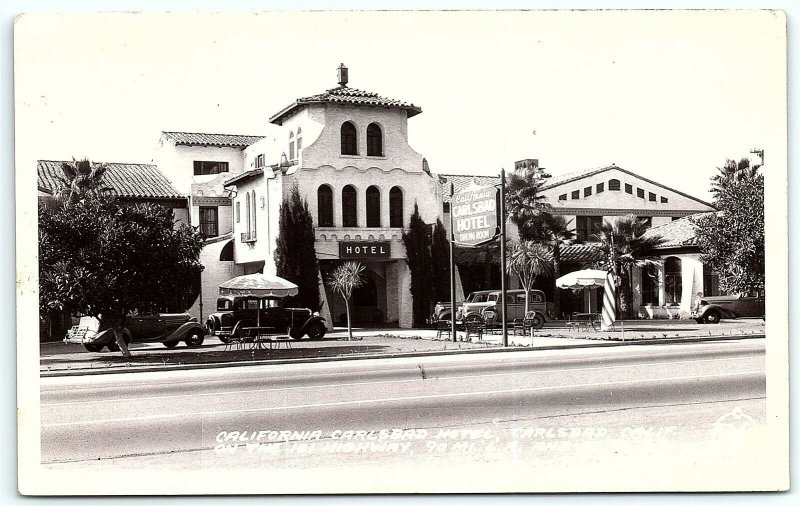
{"points": [[732, 172], [295, 255], [418, 256], [625, 246], [529, 260], [440, 256], [554, 230], [80, 179], [103, 259], [525, 203], [732, 239], [343, 280]]}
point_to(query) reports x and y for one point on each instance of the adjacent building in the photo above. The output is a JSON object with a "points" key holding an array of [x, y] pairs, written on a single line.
{"points": [[590, 198]]}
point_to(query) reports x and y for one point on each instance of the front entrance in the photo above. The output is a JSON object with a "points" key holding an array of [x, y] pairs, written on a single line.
{"points": [[368, 304]]}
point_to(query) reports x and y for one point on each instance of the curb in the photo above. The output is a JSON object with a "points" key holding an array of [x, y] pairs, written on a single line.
{"points": [[219, 365]]}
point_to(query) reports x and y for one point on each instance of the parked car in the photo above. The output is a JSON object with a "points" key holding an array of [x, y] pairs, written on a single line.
{"points": [[166, 328], [441, 311], [489, 309], [713, 309], [233, 313]]}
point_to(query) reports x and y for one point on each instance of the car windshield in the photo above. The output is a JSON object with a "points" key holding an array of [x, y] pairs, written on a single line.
{"points": [[479, 297]]}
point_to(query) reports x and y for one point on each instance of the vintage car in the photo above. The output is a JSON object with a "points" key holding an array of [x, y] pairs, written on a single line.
{"points": [[235, 313], [713, 309], [166, 328], [441, 311], [488, 310]]}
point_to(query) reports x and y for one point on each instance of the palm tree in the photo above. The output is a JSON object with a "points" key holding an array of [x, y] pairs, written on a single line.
{"points": [[732, 171], [344, 279], [81, 178], [524, 202], [556, 231], [529, 260], [626, 245]]}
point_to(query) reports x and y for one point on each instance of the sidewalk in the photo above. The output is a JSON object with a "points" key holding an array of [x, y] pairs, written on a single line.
{"points": [[60, 359]]}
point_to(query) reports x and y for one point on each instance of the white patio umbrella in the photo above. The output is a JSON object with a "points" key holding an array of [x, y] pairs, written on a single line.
{"points": [[581, 279], [258, 285], [587, 278]]}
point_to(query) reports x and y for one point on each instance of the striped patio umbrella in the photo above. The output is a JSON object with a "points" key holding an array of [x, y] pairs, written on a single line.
{"points": [[609, 303]]}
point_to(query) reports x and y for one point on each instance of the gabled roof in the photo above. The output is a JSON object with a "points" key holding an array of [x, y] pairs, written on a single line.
{"points": [[574, 176], [461, 181], [132, 180], [349, 96], [676, 234], [243, 176], [216, 140]]}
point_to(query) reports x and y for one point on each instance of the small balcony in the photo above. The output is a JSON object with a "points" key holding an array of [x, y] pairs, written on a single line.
{"points": [[249, 236]]}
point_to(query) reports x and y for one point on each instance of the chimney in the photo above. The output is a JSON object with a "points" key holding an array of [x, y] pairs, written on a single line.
{"points": [[526, 164], [342, 75]]}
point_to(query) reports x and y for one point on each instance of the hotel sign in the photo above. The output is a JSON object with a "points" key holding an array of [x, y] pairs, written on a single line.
{"points": [[371, 249], [474, 215]]}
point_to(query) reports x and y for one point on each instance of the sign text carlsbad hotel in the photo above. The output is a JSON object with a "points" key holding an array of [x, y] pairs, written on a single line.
{"points": [[347, 151]]}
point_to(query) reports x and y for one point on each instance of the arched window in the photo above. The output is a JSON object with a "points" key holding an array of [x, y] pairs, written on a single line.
{"points": [[226, 255], [291, 146], [349, 207], [649, 286], [373, 207], [613, 184], [374, 140], [349, 139], [324, 206], [299, 141], [673, 281], [396, 207]]}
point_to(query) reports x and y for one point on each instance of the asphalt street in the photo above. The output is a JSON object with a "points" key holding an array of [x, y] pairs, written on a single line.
{"points": [[669, 407]]}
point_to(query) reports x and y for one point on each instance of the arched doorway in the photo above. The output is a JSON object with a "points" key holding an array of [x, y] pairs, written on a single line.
{"points": [[673, 281], [364, 303]]}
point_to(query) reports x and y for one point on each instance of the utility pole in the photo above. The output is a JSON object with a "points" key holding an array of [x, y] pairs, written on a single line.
{"points": [[452, 271], [502, 252]]}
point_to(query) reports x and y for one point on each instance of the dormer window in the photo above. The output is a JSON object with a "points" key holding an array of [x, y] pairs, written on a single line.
{"points": [[349, 139], [374, 140]]}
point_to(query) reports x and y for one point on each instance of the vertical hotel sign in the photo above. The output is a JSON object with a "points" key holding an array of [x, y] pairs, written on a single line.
{"points": [[474, 215]]}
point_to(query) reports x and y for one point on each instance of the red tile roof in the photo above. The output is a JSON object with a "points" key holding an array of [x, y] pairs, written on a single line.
{"points": [[349, 96], [676, 234], [216, 140], [573, 254], [133, 180]]}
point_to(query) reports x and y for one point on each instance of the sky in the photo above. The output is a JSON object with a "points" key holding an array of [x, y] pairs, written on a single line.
{"points": [[668, 95]]}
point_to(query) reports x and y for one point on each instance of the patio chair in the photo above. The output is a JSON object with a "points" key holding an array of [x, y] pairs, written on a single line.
{"points": [[443, 327], [518, 326], [474, 328]]}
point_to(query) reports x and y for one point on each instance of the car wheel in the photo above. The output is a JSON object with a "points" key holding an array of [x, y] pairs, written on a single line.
{"points": [[195, 338], [712, 317], [316, 331], [93, 347], [537, 322], [170, 344], [223, 340]]}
